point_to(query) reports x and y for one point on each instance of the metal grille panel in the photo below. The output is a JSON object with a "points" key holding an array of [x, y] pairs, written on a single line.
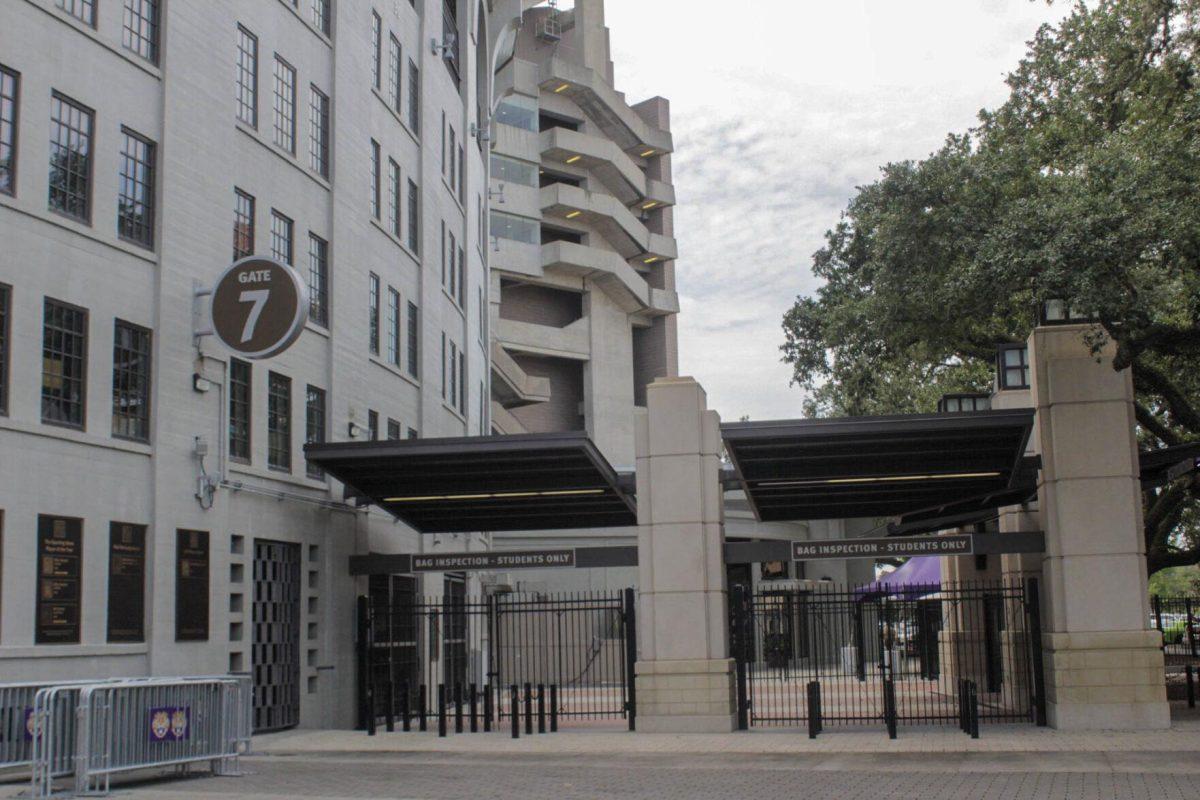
{"points": [[275, 650]]}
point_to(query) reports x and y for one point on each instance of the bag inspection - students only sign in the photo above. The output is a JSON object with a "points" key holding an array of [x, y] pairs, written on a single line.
{"points": [[956, 545]]}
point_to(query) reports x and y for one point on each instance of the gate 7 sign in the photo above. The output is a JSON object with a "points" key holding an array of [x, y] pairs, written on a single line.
{"points": [[259, 307]]}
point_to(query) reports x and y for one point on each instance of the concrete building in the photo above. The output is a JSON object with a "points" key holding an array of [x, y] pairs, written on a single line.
{"points": [[158, 515]]}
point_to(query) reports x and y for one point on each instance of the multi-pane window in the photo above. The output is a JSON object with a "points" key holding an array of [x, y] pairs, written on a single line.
{"points": [[453, 161], [279, 422], [462, 278], [394, 219], [376, 47], [413, 434], [64, 363], [955, 403], [414, 339], [243, 224], [320, 15], [393, 327], [281, 237], [314, 425], [135, 201], [375, 179], [8, 131], [285, 105], [372, 425], [393, 429], [450, 37], [318, 132], [462, 174], [5, 313], [1014, 366], [83, 10], [414, 97], [70, 157], [373, 312], [131, 382], [462, 382], [443, 365], [453, 374], [318, 280], [395, 80], [247, 77], [141, 28], [414, 217], [448, 279], [239, 410]]}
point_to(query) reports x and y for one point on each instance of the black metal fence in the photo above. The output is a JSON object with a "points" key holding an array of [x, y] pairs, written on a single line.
{"points": [[906, 657], [458, 657], [1177, 618]]}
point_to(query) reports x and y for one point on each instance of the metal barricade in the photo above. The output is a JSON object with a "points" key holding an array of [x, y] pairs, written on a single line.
{"points": [[145, 724]]}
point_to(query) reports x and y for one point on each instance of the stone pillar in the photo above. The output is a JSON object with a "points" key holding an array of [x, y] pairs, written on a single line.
{"points": [[1103, 666], [684, 676]]}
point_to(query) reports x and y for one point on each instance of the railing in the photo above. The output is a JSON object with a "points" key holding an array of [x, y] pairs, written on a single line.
{"points": [[1177, 618]]}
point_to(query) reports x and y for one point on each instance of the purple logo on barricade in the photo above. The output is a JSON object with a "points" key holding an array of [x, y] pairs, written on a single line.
{"points": [[169, 723], [30, 724]]}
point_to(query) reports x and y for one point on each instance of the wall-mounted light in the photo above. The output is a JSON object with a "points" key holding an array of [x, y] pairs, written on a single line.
{"points": [[562, 88], [649, 204], [649, 152], [573, 214], [650, 260], [573, 159], [355, 431]]}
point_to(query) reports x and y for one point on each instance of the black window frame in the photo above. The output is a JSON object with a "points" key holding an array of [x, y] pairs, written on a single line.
{"points": [[318, 280], [376, 159], [395, 206], [374, 288], [394, 327], [318, 131], [414, 341], [241, 411], [283, 105], [131, 387], [376, 49], [82, 10], [279, 422], [146, 18], [283, 245], [246, 78], [372, 425], [6, 303], [393, 430], [316, 421], [414, 98], [321, 15], [243, 202], [9, 129], [129, 229], [81, 358], [1002, 367], [414, 217], [58, 100]]}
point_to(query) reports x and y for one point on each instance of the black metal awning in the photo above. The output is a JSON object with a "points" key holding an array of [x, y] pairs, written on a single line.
{"points": [[875, 466], [537, 481], [1159, 467]]}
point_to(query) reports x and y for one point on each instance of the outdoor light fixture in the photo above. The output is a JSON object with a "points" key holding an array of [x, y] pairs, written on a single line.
{"points": [[573, 159], [354, 430], [649, 204], [573, 214], [562, 88], [495, 495], [650, 260], [882, 479], [649, 152]]}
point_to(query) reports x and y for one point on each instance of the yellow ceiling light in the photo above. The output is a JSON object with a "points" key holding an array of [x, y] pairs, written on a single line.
{"points": [[650, 260], [495, 495], [573, 159], [649, 152], [882, 479], [649, 204], [562, 88], [573, 214]]}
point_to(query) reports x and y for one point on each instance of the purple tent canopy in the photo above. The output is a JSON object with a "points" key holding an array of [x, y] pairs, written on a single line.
{"points": [[917, 577]]}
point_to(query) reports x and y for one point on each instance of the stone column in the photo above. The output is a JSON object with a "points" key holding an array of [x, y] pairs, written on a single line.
{"points": [[1103, 666], [684, 676]]}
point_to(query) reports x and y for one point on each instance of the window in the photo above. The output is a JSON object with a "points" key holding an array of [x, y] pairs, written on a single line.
{"points": [[281, 237], [449, 281], [279, 422], [318, 280], [8, 131], [64, 364], [239, 410], [393, 328], [320, 15], [1014, 366], [395, 79], [414, 339], [393, 429], [285, 105], [394, 198], [83, 10], [519, 172], [955, 403], [372, 425], [243, 224], [443, 365], [131, 382], [462, 176], [462, 278], [453, 394], [70, 158], [519, 229], [462, 382], [375, 179], [518, 111], [5, 337], [373, 312], [414, 98], [318, 131], [450, 37], [376, 46], [414, 217], [135, 203], [452, 162], [247, 77], [314, 425], [412, 434], [141, 28]]}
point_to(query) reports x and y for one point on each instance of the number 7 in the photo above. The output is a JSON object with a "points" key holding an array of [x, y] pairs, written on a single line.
{"points": [[259, 298]]}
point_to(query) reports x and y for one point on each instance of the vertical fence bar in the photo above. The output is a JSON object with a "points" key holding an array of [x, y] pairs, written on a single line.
{"points": [[528, 709], [487, 708], [422, 705], [973, 708], [541, 707], [738, 625], [1191, 627], [474, 701], [458, 708], [554, 708], [813, 714], [889, 706], [512, 705], [630, 616], [365, 715], [441, 709], [1190, 674], [1033, 606]]}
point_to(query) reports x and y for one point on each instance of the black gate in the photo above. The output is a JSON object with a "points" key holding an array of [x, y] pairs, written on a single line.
{"points": [[419, 656], [275, 643], [908, 657]]}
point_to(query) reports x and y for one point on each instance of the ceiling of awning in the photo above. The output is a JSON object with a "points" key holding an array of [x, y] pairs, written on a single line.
{"points": [[540, 481], [875, 466]]}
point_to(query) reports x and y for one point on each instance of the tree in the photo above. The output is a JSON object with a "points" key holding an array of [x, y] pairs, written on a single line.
{"points": [[1081, 186]]}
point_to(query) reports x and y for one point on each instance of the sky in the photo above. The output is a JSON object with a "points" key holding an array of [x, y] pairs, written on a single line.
{"points": [[779, 109]]}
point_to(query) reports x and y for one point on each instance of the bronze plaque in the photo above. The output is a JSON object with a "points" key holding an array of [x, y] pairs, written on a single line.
{"points": [[126, 582], [60, 561], [259, 307], [191, 586]]}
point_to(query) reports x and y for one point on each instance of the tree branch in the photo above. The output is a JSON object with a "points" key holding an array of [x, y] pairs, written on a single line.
{"points": [[1157, 383], [1145, 418]]}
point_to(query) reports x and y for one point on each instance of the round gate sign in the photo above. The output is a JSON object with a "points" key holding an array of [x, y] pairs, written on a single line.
{"points": [[259, 307]]}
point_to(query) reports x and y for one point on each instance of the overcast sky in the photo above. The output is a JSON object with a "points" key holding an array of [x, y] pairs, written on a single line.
{"points": [[779, 109]]}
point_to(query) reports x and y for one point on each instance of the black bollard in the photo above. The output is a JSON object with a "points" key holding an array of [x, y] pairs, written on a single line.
{"points": [[471, 691], [513, 705], [487, 708], [458, 711], [405, 712], [541, 708], [528, 709], [441, 709], [814, 711], [554, 708], [389, 697], [423, 700]]}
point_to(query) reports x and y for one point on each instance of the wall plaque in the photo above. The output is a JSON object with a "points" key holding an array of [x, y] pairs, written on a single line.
{"points": [[126, 582], [59, 590], [191, 586]]}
